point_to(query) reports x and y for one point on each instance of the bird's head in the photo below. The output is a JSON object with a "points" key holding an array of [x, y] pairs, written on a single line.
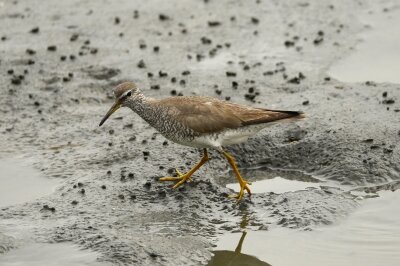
{"points": [[123, 93]]}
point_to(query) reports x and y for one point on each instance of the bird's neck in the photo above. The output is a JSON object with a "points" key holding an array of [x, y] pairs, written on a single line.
{"points": [[144, 107]]}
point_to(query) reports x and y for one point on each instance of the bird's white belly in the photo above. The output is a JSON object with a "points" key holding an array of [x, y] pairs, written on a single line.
{"points": [[225, 138]]}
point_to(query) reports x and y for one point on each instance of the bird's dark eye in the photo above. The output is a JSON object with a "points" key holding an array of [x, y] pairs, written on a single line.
{"points": [[129, 94]]}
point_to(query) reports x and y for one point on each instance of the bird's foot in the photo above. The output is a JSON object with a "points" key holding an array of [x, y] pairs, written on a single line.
{"points": [[181, 178], [243, 186]]}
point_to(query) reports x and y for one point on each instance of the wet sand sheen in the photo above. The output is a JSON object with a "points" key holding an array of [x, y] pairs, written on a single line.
{"points": [[20, 182], [369, 236]]}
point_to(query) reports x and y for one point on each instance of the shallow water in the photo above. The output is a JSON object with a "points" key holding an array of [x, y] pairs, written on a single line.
{"points": [[376, 57], [20, 182], [370, 236], [277, 185], [38, 254]]}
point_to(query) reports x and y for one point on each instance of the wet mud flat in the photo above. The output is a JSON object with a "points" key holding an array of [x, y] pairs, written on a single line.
{"points": [[59, 61]]}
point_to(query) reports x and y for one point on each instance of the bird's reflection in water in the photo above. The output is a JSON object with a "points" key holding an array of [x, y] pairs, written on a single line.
{"points": [[236, 257]]}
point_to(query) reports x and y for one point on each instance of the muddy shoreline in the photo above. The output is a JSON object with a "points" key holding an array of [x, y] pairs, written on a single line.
{"points": [[60, 60]]}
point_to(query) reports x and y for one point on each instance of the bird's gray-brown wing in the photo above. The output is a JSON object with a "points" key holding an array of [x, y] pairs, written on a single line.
{"points": [[209, 115]]}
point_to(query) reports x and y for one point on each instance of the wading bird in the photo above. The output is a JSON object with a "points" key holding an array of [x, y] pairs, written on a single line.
{"points": [[200, 122]]}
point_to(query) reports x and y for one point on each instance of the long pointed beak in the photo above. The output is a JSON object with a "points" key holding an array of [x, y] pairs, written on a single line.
{"points": [[113, 108]]}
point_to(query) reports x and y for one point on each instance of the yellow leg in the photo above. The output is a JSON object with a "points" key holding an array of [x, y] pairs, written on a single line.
{"points": [[182, 178], [242, 182]]}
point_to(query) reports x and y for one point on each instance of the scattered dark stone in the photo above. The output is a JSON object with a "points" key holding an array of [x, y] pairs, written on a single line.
{"points": [[199, 57], [173, 79], [235, 85], [214, 23], [156, 49], [103, 187], [74, 202], [94, 51], [255, 20], [144, 141], [149, 74], [141, 64], [163, 17], [52, 48], [186, 72], [82, 191], [165, 143], [30, 51], [142, 45], [147, 184], [35, 30], [131, 175], [182, 82], [205, 40], [162, 74], [3, 38], [218, 91], [306, 102], [320, 33], [16, 81], [368, 140], [233, 18], [63, 58], [318, 40], [74, 37], [101, 73], [230, 74], [227, 98], [387, 150], [135, 14], [120, 196], [184, 31], [121, 34], [388, 101], [327, 78], [66, 79], [155, 87], [289, 43], [173, 92], [146, 153], [72, 57], [47, 208], [246, 67], [10, 71], [384, 94], [268, 73], [117, 20], [374, 147], [71, 75]]}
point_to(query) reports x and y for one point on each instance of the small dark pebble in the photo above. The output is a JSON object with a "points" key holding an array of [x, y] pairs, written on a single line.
{"points": [[141, 64], [289, 43], [306, 102], [10, 71], [165, 143], [218, 91], [94, 50], [74, 37], [173, 79], [173, 92], [63, 57], [230, 74], [103, 187], [185, 73], [235, 85], [82, 191], [30, 51], [109, 172], [214, 23], [368, 140], [74, 202], [162, 74], [131, 175], [388, 101], [147, 184], [182, 82], [163, 17], [72, 57], [255, 20], [156, 49], [205, 40], [35, 30], [149, 75], [52, 48], [15, 81], [121, 196], [227, 98], [146, 153], [155, 87], [135, 14], [384, 94], [117, 20]]}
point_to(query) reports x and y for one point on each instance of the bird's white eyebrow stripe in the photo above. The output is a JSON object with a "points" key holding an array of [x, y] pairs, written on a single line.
{"points": [[124, 94]]}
